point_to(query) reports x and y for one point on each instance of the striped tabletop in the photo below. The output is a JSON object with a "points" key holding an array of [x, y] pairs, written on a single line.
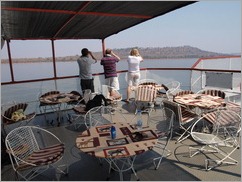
{"points": [[200, 100]]}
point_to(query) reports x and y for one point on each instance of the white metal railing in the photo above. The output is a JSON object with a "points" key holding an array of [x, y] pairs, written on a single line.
{"points": [[226, 71], [190, 79], [29, 92]]}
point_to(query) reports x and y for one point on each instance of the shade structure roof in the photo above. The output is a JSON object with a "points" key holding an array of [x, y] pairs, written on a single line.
{"points": [[33, 20]]}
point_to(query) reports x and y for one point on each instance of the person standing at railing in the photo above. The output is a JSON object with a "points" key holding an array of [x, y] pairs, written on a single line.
{"points": [[109, 66], [85, 70], [134, 60]]}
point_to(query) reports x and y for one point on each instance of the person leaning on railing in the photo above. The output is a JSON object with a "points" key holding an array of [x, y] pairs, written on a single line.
{"points": [[85, 72], [134, 60], [110, 72]]}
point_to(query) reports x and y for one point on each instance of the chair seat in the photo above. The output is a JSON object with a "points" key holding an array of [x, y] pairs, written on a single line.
{"points": [[10, 121], [226, 118], [187, 116], [234, 107], [209, 139], [43, 156], [80, 109]]}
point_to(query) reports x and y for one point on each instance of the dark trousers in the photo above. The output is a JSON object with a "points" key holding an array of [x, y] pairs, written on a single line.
{"points": [[87, 84]]}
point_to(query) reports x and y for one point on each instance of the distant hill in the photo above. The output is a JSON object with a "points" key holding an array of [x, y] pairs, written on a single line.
{"points": [[170, 52], [147, 53]]}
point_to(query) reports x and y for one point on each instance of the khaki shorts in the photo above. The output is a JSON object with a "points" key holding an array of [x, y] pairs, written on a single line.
{"points": [[133, 78], [113, 82]]}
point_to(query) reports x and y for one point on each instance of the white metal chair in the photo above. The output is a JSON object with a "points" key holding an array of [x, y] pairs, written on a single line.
{"points": [[183, 119], [164, 132], [174, 87], [220, 138], [71, 104], [16, 114], [80, 109], [169, 90], [32, 150], [99, 115]]}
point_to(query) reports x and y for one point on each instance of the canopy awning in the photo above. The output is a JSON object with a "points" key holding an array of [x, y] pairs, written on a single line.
{"points": [[33, 20]]}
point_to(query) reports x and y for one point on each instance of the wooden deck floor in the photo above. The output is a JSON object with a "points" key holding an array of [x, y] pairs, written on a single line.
{"points": [[82, 167]]}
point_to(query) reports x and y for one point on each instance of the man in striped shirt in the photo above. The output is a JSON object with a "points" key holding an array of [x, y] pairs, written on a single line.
{"points": [[109, 65]]}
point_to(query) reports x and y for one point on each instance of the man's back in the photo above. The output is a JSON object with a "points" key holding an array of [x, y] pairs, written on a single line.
{"points": [[109, 66], [85, 71]]}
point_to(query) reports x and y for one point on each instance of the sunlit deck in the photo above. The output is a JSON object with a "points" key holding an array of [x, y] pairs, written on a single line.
{"points": [[177, 167]]}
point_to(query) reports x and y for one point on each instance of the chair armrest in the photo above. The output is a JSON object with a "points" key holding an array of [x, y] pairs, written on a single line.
{"points": [[80, 102]]}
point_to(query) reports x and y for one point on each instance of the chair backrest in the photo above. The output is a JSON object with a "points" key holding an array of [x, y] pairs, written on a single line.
{"points": [[182, 116], [184, 92], [98, 116], [87, 95], [173, 85], [76, 93], [148, 82], [222, 123], [176, 109], [145, 93], [165, 126], [7, 114], [173, 88], [213, 92], [50, 93], [234, 107], [222, 117]]}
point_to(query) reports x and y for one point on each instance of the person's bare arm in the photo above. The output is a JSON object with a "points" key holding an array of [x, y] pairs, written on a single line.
{"points": [[90, 53], [113, 54]]}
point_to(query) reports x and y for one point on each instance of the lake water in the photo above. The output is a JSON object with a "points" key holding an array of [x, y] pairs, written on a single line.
{"points": [[26, 71]]}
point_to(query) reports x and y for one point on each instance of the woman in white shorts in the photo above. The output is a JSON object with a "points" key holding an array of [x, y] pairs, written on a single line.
{"points": [[134, 60]]}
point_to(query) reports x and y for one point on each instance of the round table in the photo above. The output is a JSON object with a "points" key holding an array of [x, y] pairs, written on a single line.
{"points": [[57, 100], [120, 152], [203, 102]]}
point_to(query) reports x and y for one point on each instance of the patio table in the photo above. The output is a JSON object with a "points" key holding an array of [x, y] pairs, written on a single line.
{"points": [[120, 152], [202, 102], [59, 100]]}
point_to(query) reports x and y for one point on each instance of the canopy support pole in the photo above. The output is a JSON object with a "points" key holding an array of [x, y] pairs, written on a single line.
{"points": [[103, 46], [54, 62], [53, 56], [10, 60]]}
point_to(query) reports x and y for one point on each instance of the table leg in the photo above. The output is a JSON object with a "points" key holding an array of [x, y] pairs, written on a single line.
{"points": [[58, 113], [121, 165]]}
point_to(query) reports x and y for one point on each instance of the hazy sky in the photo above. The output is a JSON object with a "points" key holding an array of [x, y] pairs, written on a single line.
{"points": [[208, 25]]}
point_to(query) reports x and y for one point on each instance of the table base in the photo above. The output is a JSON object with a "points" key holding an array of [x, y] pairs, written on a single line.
{"points": [[121, 165]]}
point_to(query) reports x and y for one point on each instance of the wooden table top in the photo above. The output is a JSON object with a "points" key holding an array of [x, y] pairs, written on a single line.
{"points": [[200, 100], [97, 141]]}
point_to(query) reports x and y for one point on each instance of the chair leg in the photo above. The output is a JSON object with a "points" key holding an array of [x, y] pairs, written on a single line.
{"points": [[62, 171], [158, 164], [217, 162]]}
